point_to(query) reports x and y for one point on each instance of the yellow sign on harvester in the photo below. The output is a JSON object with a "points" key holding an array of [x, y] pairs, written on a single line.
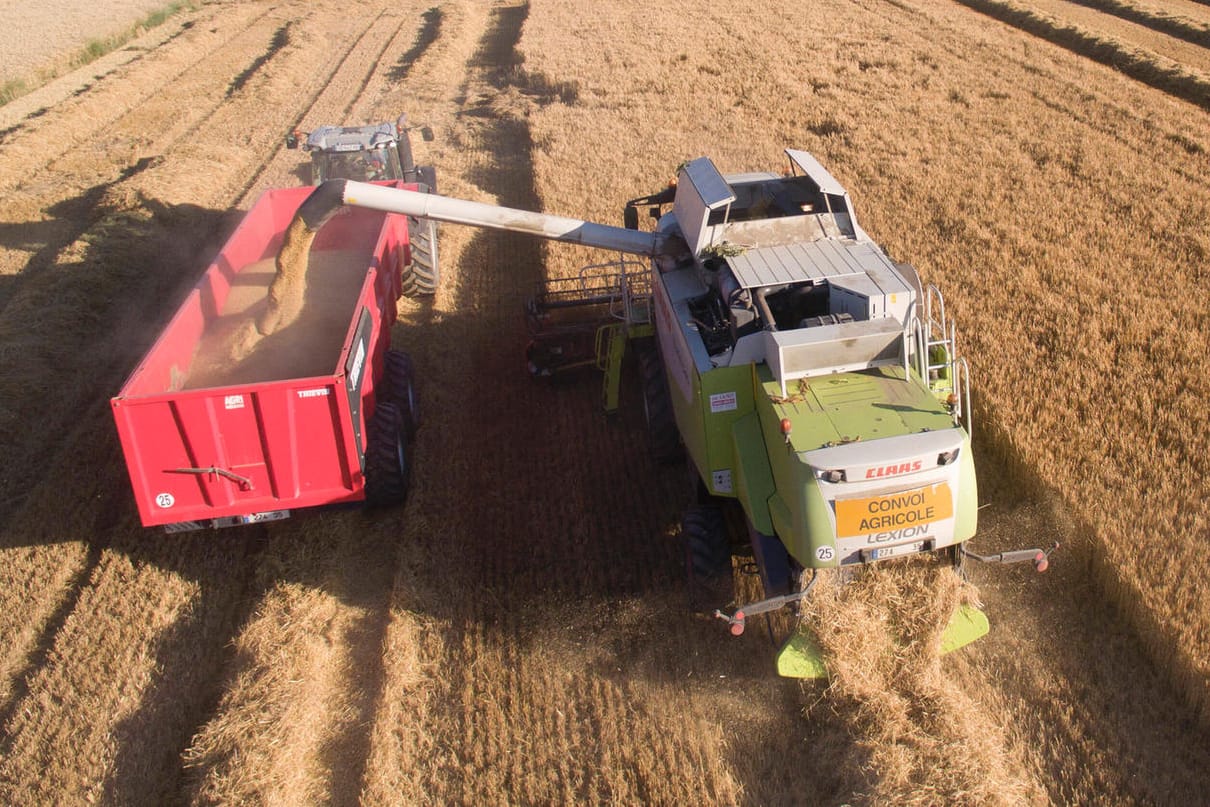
{"points": [[894, 511]]}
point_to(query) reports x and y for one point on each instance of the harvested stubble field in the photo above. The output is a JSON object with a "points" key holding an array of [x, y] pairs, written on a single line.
{"points": [[516, 634]]}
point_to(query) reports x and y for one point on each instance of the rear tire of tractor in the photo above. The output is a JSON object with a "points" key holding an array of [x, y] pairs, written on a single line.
{"points": [[400, 380], [388, 469], [707, 558], [423, 275], [657, 404], [406, 161]]}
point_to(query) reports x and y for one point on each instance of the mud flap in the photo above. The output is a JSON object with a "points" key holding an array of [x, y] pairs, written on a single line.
{"points": [[801, 656], [966, 625]]}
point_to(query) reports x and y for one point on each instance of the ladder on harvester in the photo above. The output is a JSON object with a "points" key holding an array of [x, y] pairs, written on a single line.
{"points": [[588, 320], [938, 363]]}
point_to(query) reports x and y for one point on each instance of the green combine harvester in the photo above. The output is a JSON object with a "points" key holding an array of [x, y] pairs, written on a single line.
{"points": [[810, 380]]}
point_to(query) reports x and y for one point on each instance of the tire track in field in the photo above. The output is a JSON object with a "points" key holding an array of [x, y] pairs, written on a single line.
{"points": [[1140, 64]]}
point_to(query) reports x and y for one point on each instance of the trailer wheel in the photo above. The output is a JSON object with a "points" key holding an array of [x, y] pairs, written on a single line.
{"points": [[422, 275], [388, 471], [707, 558], [400, 382], [657, 404]]}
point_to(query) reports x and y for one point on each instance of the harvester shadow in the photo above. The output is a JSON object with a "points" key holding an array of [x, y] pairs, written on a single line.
{"points": [[78, 328], [1065, 626], [44, 240]]}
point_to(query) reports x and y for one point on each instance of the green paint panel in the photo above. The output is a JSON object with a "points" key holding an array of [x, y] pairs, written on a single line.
{"points": [[966, 625], [865, 405], [722, 397], [752, 476], [800, 657]]}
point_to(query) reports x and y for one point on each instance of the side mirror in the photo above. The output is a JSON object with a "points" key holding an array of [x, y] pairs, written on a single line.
{"points": [[426, 134], [630, 218], [292, 140]]}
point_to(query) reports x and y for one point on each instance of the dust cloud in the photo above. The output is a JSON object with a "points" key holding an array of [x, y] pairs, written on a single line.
{"points": [[308, 306]]}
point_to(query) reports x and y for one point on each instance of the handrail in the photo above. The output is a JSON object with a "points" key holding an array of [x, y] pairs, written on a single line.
{"points": [[936, 319], [962, 369]]}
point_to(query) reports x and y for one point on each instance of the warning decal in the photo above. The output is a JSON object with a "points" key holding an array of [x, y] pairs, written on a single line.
{"points": [[723, 402]]}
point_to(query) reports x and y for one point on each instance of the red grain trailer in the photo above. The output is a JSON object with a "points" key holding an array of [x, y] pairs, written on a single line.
{"points": [[217, 431]]}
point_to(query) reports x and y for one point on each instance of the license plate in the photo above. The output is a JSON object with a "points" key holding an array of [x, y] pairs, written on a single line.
{"points": [[250, 518], [883, 552], [270, 515]]}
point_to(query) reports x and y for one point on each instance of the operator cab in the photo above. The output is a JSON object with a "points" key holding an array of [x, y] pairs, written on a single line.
{"points": [[783, 273], [368, 165]]}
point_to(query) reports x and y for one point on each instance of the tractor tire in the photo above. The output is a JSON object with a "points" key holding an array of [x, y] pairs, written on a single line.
{"points": [[707, 558], [404, 146], [426, 175], [664, 438], [388, 469], [400, 385], [422, 276]]}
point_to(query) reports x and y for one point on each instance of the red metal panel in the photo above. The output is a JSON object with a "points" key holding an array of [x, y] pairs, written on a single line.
{"points": [[208, 453]]}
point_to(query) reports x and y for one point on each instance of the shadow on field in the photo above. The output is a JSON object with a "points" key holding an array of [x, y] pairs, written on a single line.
{"points": [[73, 329], [1166, 76], [1068, 656], [76, 325], [428, 34], [69, 220]]}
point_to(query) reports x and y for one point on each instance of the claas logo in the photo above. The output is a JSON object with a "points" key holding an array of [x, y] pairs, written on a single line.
{"points": [[893, 470]]}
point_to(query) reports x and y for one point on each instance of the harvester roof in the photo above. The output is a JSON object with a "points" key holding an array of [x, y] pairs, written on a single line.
{"points": [[827, 259], [351, 138]]}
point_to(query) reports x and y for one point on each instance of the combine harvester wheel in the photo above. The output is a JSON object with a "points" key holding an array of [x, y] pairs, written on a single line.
{"points": [[657, 404]]}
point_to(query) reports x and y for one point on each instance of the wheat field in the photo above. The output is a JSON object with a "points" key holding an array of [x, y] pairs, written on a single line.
{"points": [[517, 633]]}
